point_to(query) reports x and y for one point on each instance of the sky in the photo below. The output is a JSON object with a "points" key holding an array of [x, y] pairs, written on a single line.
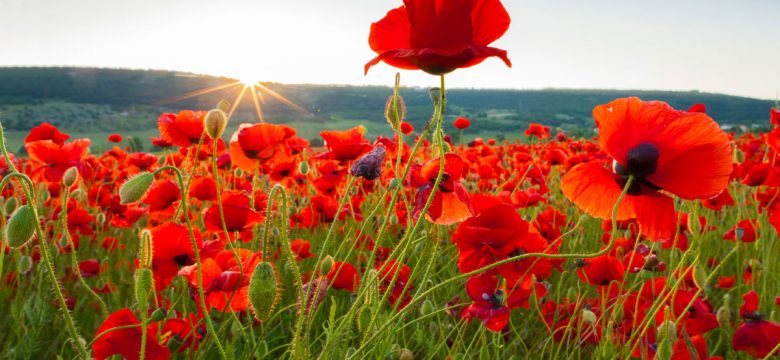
{"points": [[722, 46]]}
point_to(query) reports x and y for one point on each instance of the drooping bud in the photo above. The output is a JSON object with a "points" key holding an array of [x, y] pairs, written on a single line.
{"points": [[395, 111], [135, 187], [10, 205], [214, 123], [24, 265], [369, 166], [70, 177], [699, 276], [20, 227], [427, 308], [264, 290]]}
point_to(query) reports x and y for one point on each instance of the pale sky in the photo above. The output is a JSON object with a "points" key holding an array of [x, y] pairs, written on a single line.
{"points": [[723, 46]]}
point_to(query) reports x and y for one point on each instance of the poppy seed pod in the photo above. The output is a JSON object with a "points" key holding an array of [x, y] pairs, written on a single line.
{"points": [[20, 227], [214, 123], [369, 166], [135, 187], [70, 177], [264, 290]]}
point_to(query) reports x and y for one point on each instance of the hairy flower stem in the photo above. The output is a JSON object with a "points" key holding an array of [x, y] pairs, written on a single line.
{"points": [[613, 240], [27, 186], [183, 205]]}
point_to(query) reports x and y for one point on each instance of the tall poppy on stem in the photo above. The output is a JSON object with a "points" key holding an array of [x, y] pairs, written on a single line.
{"points": [[439, 36], [682, 153]]}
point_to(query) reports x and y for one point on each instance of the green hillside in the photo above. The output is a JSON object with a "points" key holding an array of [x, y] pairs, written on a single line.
{"points": [[96, 101]]}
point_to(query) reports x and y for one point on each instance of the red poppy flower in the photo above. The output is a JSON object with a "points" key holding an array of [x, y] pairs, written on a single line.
{"points": [[755, 336], [204, 188], [251, 144], [774, 116], [538, 130], [115, 138], [345, 145], [488, 305], [89, 268], [183, 129], [452, 202], [461, 123], [222, 279], [127, 342], [439, 36], [719, 201], [744, 231], [601, 271], [490, 236], [397, 293], [46, 131], [344, 276], [407, 128], [239, 216], [171, 251], [162, 195], [55, 159], [698, 108], [301, 249], [686, 154]]}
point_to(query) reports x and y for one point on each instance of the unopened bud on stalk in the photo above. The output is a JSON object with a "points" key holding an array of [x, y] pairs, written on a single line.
{"points": [[238, 173], [724, 316], [395, 111], [303, 167], [699, 276], [664, 351], [144, 286], [214, 123], [159, 314], [20, 227], [10, 205], [327, 265], [264, 290], [135, 187], [24, 265], [667, 330], [427, 308], [70, 177], [588, 316], [145, 249]]}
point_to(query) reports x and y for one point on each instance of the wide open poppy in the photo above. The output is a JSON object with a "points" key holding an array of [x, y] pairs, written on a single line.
{"points": [[683, 153], [54, 159], [451, 203], [259, 142], [345, 145], [239, 216], [222, 279], [182, 129], [439, 36], [488, 304], [755, 336]]}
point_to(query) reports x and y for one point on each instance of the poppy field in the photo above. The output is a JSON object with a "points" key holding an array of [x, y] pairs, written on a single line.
{"points": [[657, 238]]}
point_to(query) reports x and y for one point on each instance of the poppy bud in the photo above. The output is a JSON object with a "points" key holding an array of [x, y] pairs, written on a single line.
{"points": [[664, 351], [699, 276], [405, 354], [76, 194], [426, 308], [24, 265], [135, 187], [393, 183], [327, 265], [20, 227], [63, 242], [214, 123], [588, 316], [394, 219], [238, 173], [70, 176], [724, 316], [303, 167], [395, 111], [264, 291], [145, 249], [667, 330], [10, 205], [223, 105], [159, 314], [100, 218], [144, 286], [571, 294]]}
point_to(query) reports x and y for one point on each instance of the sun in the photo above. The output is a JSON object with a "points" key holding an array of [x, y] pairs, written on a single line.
{"points": [[249, 80]]}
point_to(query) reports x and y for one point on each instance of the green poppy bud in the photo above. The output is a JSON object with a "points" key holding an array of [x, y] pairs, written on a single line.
{"points": [[70, 177], [24, 264], [135, 187], [20, 227], [264, 290], [214, 123], [303, 167]]}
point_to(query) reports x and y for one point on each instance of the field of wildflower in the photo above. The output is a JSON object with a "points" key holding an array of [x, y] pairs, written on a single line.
{"points": [[656, 239]]}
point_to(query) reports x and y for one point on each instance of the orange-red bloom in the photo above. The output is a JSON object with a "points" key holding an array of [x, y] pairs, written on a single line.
{"points": [[251, 144], [182, 129], [127, 342], [683, 153], [345, 145], [451, 203], [439, 36], [461, 123]]}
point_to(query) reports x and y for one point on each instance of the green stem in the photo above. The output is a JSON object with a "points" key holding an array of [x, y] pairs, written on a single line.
{"points": [[194, 242]]}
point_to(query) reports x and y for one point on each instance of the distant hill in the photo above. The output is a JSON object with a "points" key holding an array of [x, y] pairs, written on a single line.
{"points": [[100, 100]]}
